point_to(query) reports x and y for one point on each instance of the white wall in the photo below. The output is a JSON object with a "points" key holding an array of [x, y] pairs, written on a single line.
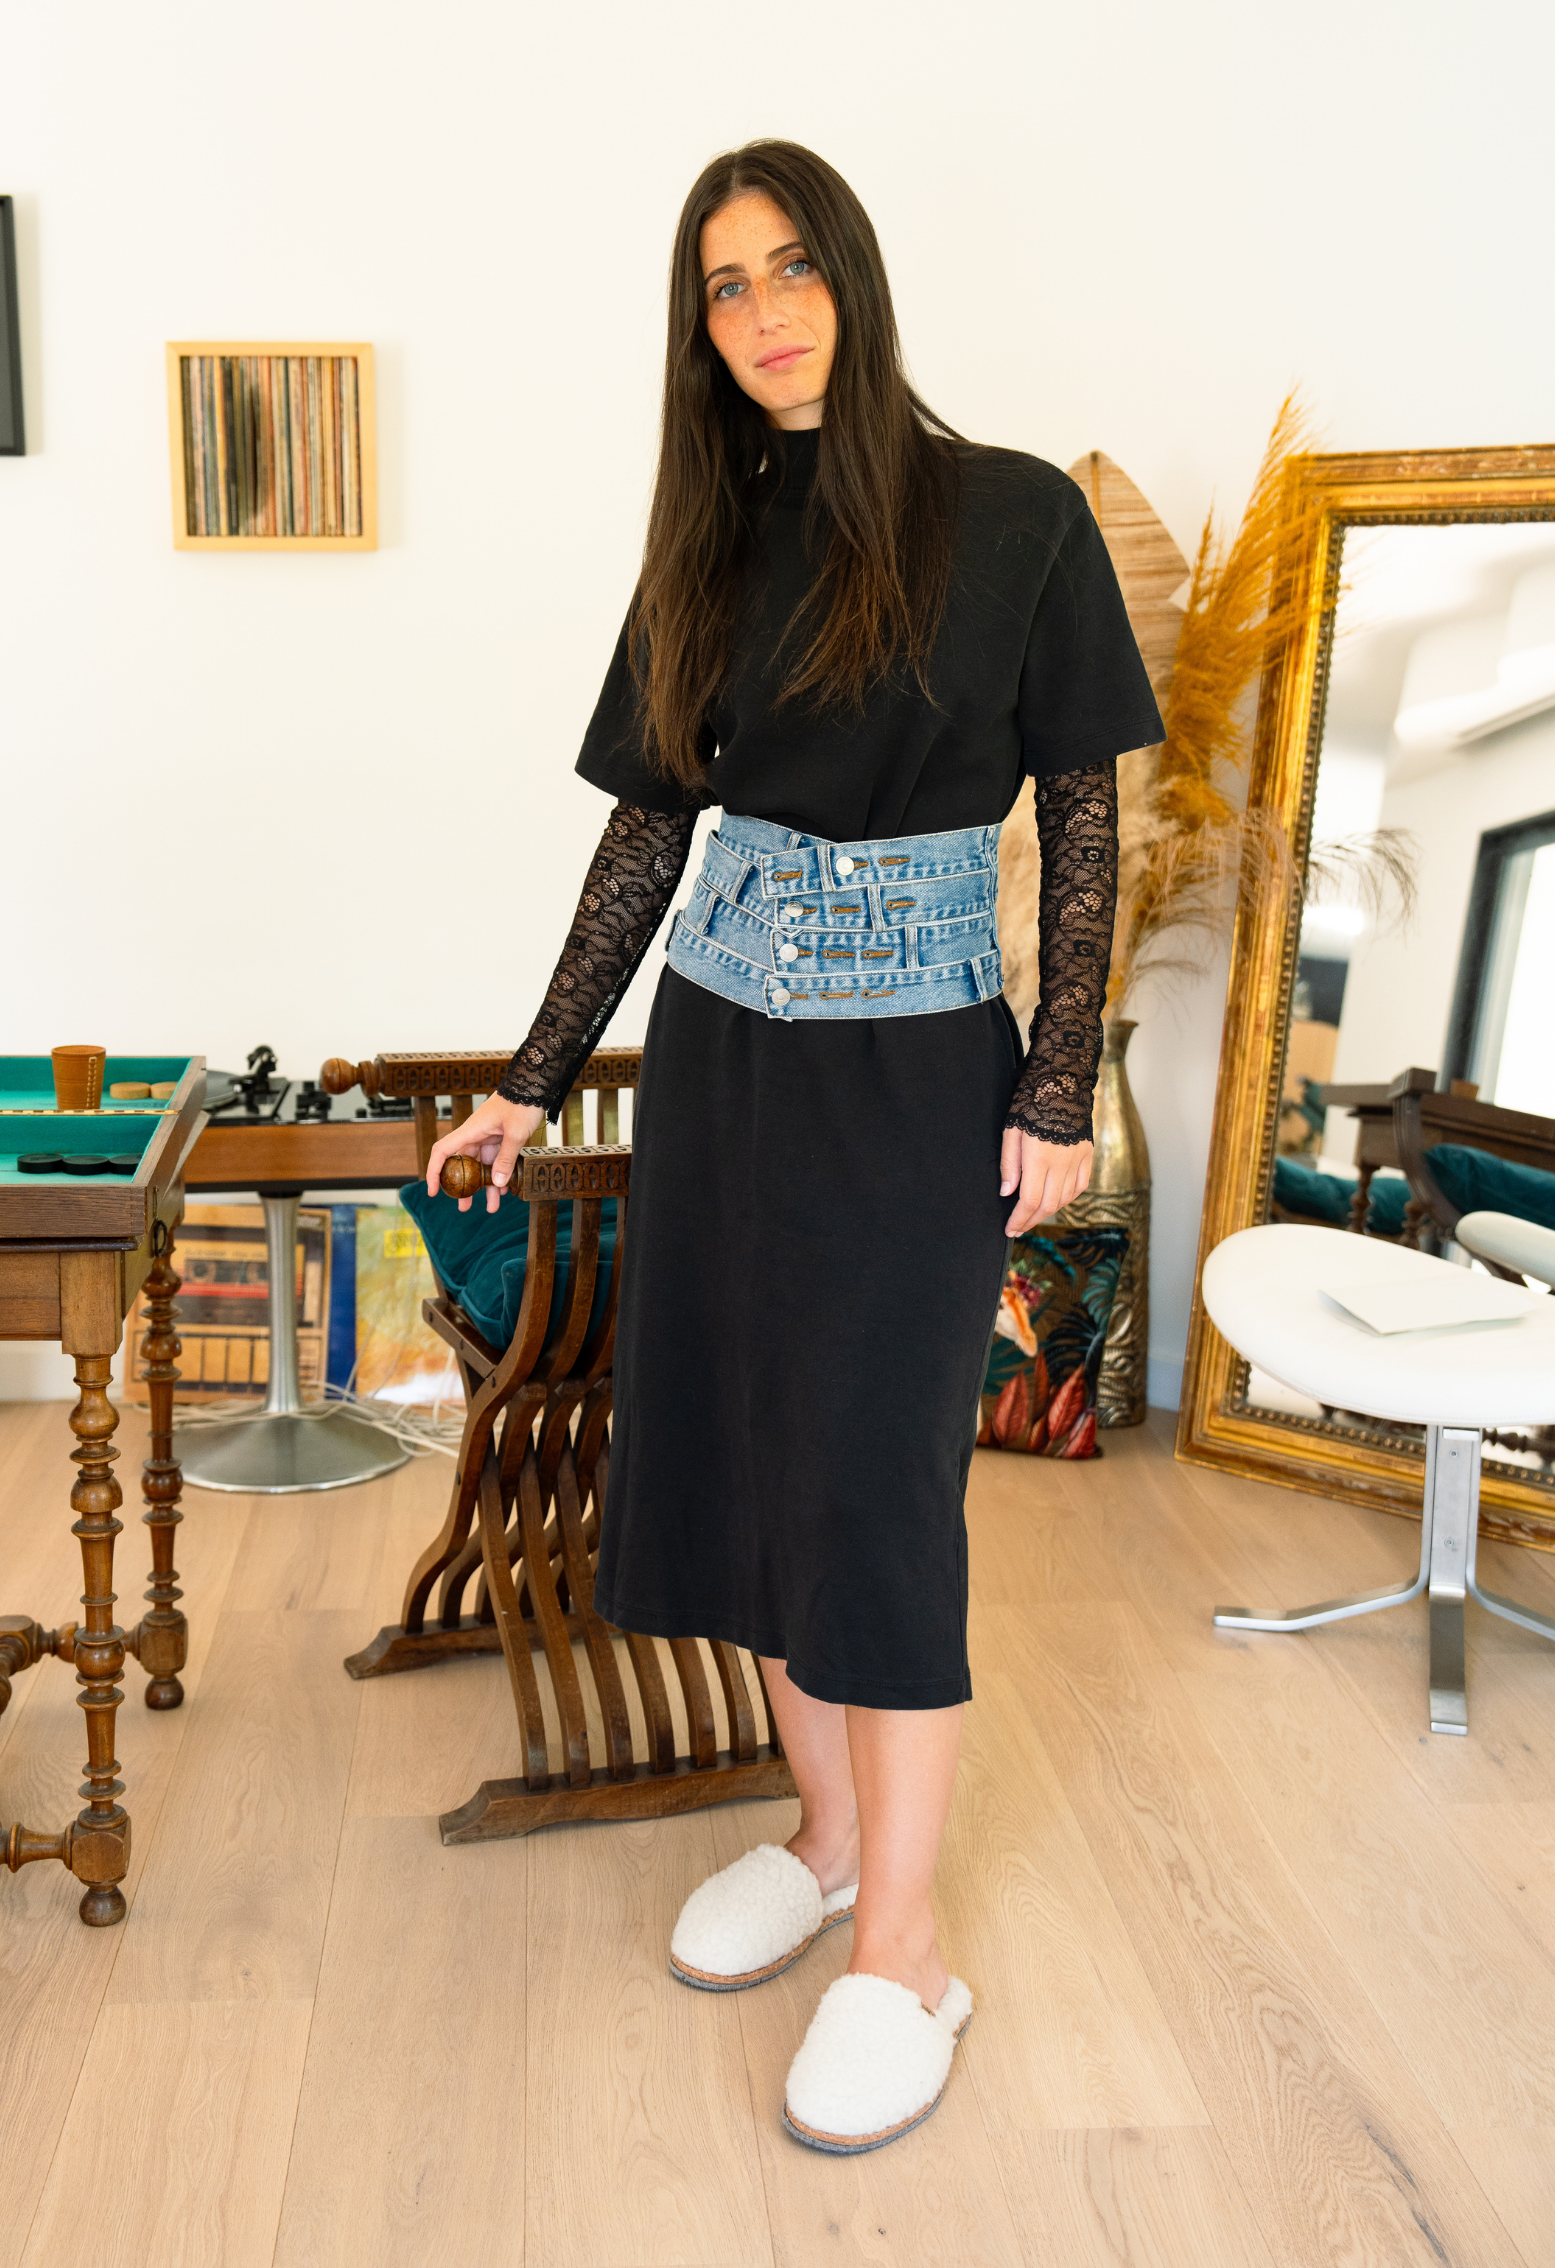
{"points": [[1398, 996], [327, 802]]}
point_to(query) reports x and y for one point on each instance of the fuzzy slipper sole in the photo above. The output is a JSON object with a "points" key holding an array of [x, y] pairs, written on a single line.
{"points": [[854, 2145], [704, 1980]]}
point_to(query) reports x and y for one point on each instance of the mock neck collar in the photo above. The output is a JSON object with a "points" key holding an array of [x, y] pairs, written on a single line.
{"points": [[801, 453]]}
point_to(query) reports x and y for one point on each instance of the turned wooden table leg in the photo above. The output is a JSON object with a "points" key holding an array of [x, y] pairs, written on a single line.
{"points": [[1360, 1203], [99, 1844], [162, 1639]]}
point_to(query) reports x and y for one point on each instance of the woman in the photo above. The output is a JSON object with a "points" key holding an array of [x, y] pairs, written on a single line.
{"points": [[856, 634]]}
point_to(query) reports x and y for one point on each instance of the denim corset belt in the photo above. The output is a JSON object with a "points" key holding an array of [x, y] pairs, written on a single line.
{"points": [[802, 928]]}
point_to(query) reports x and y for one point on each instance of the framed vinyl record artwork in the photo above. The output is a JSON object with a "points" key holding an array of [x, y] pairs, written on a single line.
{"points": [[273, 446]]}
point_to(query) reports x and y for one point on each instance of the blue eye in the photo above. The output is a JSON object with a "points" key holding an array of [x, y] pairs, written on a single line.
{"points": [[794, 265], [725, 289]]}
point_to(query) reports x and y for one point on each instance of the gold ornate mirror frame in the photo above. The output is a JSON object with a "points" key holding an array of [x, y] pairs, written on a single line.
{"points": [[1326, 495]]}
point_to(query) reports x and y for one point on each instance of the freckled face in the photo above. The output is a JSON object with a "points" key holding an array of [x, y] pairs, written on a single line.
{"points": [[768, 313]]}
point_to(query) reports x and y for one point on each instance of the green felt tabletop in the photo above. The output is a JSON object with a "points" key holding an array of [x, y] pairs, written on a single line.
{"points": [[29, 1121], [27, 1083], [100, 1133]]}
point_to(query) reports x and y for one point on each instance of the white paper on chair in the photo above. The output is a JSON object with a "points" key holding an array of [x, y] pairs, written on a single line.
{"points": [[1444, 1300]]}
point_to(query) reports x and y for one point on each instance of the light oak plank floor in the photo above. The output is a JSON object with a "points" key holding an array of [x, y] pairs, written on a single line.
{"points": [[1265, 1973]]}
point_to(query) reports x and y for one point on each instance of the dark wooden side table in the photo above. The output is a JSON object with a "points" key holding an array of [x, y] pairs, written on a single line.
{"points": [[74, 1251], [345, 1150]]}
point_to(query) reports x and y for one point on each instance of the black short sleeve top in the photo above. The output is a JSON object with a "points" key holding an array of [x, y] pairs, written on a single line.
{"points": [[1035, 670]]}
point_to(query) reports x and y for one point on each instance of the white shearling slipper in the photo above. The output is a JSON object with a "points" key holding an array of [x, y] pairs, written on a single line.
{"points": [[873, 2064], [752, 1920]]}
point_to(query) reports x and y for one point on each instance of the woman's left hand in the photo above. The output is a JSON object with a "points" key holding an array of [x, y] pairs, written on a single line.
{"points": [[1047, 1174]]}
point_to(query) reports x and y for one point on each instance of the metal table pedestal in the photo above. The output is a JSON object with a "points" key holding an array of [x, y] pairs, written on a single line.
{"points": [[1448, 1540], [288, 1449]]}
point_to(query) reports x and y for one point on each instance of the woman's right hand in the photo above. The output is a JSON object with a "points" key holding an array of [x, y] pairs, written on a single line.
{"points": [[495, 1133]]}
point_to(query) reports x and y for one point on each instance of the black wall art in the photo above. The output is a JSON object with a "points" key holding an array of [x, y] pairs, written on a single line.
{"points": [[13, 440]]}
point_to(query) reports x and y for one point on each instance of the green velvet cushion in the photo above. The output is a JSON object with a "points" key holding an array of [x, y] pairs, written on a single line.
{"points": [[1315, 1196], [1476, 1182], [1389, 1196], [482, 1257], [1326, 1196]]}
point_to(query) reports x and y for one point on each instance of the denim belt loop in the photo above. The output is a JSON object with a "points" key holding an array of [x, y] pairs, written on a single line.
{"points": [[908, 929]]}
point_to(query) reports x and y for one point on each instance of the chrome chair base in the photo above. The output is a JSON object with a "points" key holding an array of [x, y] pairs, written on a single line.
{"points": [[288, 1449], [1448, 1541], [284, 1453]]}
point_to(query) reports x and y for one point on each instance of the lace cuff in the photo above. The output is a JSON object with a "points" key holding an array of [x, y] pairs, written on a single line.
{"points": [[1077, 826], [631, 879]]}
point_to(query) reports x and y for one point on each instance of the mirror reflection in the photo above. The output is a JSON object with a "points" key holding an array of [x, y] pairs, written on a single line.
{"points": [[1420, 1071]]}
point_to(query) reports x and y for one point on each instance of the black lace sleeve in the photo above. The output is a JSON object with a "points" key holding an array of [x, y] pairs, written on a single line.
{"points": [[631, 879], [1077, 825]]}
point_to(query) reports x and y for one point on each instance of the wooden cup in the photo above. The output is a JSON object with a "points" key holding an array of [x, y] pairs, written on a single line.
{"points": [[78, 1077]]}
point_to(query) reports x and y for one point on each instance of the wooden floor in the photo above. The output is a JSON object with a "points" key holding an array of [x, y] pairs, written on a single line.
{"points": [[1265, 1972]]}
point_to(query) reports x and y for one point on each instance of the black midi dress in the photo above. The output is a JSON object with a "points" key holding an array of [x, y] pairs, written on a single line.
{"points": [[816, 1236]]}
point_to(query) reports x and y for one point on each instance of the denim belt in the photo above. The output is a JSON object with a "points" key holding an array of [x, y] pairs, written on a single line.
{"points": [[802, 928]]}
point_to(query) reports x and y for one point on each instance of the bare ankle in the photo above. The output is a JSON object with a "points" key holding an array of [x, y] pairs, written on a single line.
{"points": [[908, 1955], [830, 1852]]}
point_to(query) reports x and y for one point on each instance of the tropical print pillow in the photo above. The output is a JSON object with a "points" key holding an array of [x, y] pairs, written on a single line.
{"points": [[1039, 1395]]}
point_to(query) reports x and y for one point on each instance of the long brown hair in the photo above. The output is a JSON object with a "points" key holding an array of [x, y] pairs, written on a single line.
{"points": [[882, 511]]}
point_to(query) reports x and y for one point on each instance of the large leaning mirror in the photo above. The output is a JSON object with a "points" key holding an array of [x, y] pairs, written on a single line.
{"points": [[1389, 1053]]}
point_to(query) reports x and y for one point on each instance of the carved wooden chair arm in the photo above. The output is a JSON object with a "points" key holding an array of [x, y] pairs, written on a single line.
{"points": [[558, 1175], [1429, 1201], [450, 1073], [1424, 1189], [422, 1078]]}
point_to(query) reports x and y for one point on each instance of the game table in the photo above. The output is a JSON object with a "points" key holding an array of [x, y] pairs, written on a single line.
{"points": [[78, 1239]]}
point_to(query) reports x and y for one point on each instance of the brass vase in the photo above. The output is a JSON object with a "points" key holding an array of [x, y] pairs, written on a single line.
{"points": [[1119, 1197]]}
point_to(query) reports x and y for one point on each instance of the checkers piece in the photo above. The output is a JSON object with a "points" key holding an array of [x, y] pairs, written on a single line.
{"points": [[126, 1161], [129, 1090], [89, 1161], [163, 1088], [41, 1161]]}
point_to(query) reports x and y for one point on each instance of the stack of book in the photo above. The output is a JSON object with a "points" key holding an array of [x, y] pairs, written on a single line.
{"points": [[272, 444]]}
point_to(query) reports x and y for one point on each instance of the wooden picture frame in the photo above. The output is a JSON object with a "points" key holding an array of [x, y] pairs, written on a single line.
{"points": [[273, 445], [13, 431], [1217, 1425]]}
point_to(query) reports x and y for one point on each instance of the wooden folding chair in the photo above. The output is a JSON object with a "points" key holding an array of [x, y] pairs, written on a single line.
{"points": [[530, 1484]]}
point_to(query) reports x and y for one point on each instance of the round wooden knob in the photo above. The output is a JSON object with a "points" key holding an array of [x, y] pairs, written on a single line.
{"points": [[465, 1177], [338, 1077]]}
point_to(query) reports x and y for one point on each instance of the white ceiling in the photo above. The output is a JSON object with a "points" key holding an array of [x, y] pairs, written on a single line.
{"points": [[1399, 583]]}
